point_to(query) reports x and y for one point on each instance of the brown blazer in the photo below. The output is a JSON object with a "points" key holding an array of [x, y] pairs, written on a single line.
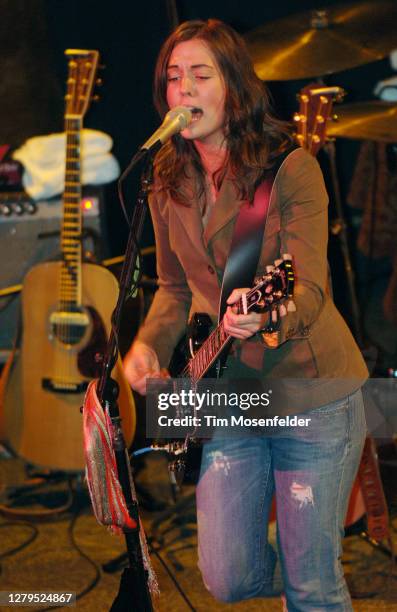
{"points": [[314, 342]]}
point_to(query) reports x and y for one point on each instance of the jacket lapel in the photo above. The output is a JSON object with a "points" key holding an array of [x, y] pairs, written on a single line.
{"points": [[224, 210], [191, 220]]}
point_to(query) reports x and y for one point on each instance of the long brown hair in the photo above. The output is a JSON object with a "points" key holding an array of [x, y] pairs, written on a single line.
{"points": [[253, 136]]}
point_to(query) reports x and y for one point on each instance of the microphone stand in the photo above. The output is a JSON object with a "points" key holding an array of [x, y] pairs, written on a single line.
{"points": [[134, 591]]}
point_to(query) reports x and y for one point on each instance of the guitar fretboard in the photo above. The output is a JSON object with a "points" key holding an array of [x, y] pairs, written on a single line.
{"points": [[70, 285], [207, 353]]}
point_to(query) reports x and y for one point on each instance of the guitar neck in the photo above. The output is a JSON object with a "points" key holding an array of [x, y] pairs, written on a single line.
{"points": [[70, 285], [207, 354]]}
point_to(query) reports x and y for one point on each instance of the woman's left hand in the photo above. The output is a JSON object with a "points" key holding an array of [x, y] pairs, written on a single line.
{"points": [[242, 326]]}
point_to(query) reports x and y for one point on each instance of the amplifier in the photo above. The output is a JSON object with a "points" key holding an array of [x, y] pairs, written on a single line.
{"points": [[30, 234]]}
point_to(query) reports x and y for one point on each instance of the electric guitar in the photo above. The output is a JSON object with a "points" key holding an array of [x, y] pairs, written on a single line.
{"points": [[66, 309], [271, 293]]}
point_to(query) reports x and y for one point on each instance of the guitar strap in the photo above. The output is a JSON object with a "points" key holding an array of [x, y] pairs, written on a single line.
{"points": [[248, 235]]}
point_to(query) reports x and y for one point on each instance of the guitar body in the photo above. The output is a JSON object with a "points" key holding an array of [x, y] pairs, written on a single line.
{"points": [[46, 384]]}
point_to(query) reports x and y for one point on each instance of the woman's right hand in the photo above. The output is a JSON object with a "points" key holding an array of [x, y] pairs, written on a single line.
{"points": [[141, 363]]}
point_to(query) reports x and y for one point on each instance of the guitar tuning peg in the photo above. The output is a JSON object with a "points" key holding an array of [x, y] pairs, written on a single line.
{"points": [[99, 82], [95, 98], [101, 66], [282, 311], [291, 307], [273, 322]]}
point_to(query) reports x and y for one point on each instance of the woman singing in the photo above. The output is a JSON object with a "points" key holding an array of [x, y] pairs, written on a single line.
{"points": [[202, 176]]}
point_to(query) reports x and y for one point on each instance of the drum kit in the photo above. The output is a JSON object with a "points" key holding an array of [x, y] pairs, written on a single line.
{"points": [[323, 42]]}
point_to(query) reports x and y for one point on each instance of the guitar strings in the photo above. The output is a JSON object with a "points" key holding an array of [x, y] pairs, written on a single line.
{"points": [[206, 353]]}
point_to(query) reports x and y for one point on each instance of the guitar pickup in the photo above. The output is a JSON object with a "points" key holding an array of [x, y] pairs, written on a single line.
{"points": [[64, 386]]}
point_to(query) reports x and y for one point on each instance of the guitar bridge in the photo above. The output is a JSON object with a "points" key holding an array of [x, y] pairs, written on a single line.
{"points": [[64, 386]]}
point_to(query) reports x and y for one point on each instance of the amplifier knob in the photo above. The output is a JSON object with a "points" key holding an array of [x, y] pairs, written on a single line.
{"points": [[30, 207], [5, 210], [17, 208]]}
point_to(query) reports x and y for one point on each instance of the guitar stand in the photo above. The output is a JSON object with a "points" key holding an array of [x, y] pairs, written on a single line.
{"points": [[121, 561], [385, 550], [339, 229], [359, 528]]}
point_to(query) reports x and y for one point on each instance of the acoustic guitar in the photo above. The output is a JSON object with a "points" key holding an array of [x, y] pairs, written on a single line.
{"points": [[66, 309]]}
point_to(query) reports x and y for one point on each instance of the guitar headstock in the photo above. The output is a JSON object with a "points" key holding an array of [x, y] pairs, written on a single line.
{"points": [[82, 69], [273, 288], [315, 107]]}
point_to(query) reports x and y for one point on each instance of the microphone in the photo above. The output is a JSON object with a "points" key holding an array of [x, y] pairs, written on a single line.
{"points": [[176, 120]]}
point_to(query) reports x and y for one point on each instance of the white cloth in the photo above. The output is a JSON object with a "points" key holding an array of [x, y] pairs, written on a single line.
{"points": [[393, 59], [387, 89], [43, 159]]}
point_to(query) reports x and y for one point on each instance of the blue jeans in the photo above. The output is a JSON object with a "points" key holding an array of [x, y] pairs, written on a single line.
{"points": [[311, 470]]}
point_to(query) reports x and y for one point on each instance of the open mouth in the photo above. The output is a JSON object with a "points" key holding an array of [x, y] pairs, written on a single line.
{"points": [[197, 113]]}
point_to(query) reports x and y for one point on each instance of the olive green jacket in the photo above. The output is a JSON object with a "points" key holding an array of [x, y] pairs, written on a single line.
{"points": [[314, 342]]}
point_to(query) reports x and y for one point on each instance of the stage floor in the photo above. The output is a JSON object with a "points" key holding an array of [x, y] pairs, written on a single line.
{"points": [[52, 563]]}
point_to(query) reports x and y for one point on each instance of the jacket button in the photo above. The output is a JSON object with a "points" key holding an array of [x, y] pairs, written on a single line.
{"points": [[211, 270]]}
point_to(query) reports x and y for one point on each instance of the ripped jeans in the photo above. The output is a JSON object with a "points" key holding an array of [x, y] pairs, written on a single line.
{"points": [[311, 470]]}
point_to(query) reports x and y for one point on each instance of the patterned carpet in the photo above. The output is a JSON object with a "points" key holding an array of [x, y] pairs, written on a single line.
{"points": [[67, 551]]}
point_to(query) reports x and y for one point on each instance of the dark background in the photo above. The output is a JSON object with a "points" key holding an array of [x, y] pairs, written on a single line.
{"points": [[128, 34]]}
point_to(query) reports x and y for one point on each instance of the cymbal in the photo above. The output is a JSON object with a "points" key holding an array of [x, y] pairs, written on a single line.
{"points": [[366, 121], [320, 42]]}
